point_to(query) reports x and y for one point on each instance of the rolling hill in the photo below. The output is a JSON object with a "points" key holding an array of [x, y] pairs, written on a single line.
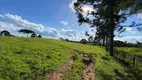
{"points": [[42, 58]]}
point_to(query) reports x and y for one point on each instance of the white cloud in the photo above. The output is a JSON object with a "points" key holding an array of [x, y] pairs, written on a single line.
{"points": [[64, 22], [71, 5], [14, 23], [1, 16], [139, 15], [87, 8], [132, 39], [128, 29], [18, 21], [133, 32], [8, 26]]}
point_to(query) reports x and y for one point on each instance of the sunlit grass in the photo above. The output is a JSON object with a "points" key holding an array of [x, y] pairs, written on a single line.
{"points": [[34, 58], [29, 58], [131, 50]]}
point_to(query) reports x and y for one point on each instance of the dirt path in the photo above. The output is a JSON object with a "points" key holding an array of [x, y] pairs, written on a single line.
{"points": [[58, 75], [88, 73]]}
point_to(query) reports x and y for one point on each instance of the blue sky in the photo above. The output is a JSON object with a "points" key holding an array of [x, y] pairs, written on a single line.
{"points": [[51, 18]]}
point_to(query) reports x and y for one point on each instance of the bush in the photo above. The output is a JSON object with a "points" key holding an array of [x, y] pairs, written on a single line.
{"points": [[39, 36], [83, 41], [34, 35], [5, 33]]}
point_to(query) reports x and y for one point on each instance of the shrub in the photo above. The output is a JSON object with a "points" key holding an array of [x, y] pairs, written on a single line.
{"points": [[83, 41], [39, 36]]}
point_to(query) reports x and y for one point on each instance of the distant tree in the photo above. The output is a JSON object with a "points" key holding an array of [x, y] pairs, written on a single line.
{"points": [[12, 35], [83, 41], [5, 33], [33, 35], [61, 39], [67, 40], [26, 31], [118, 43], [39, 36], [139, 44]]}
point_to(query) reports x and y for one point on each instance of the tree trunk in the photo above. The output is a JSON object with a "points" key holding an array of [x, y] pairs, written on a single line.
{"points": [[106, 43], [111, 41], [111, 28]]}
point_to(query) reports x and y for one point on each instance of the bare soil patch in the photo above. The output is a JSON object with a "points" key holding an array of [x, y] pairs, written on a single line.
{"points": [[58, 75]]}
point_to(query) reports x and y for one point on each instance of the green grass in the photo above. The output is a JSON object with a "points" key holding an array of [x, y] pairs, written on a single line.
{"points": [[33, 58], [76, 70], [133, 71], [131, 50], [27, 58]]}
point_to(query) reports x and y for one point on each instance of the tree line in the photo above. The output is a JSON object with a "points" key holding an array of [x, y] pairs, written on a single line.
{"points": [[24, 31]]}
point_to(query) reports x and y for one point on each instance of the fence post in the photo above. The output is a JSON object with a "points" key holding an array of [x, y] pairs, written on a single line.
{"points": [[134, 61]]}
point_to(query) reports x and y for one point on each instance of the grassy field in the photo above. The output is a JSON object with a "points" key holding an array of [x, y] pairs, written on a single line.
{"points": [[131, 50], [26, 58], [34, 58]]}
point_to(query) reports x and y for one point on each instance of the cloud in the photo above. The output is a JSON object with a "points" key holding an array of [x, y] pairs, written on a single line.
{"points": [[132, 39], [71, 5], [8, 26], [64, 22], [139, 15], [1, 16], [18, 21], [128, 29], [133, 32], [13, 23], [87, 8]]}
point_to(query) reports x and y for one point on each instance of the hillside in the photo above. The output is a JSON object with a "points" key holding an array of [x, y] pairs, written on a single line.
{"points": [[39, 58]]}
